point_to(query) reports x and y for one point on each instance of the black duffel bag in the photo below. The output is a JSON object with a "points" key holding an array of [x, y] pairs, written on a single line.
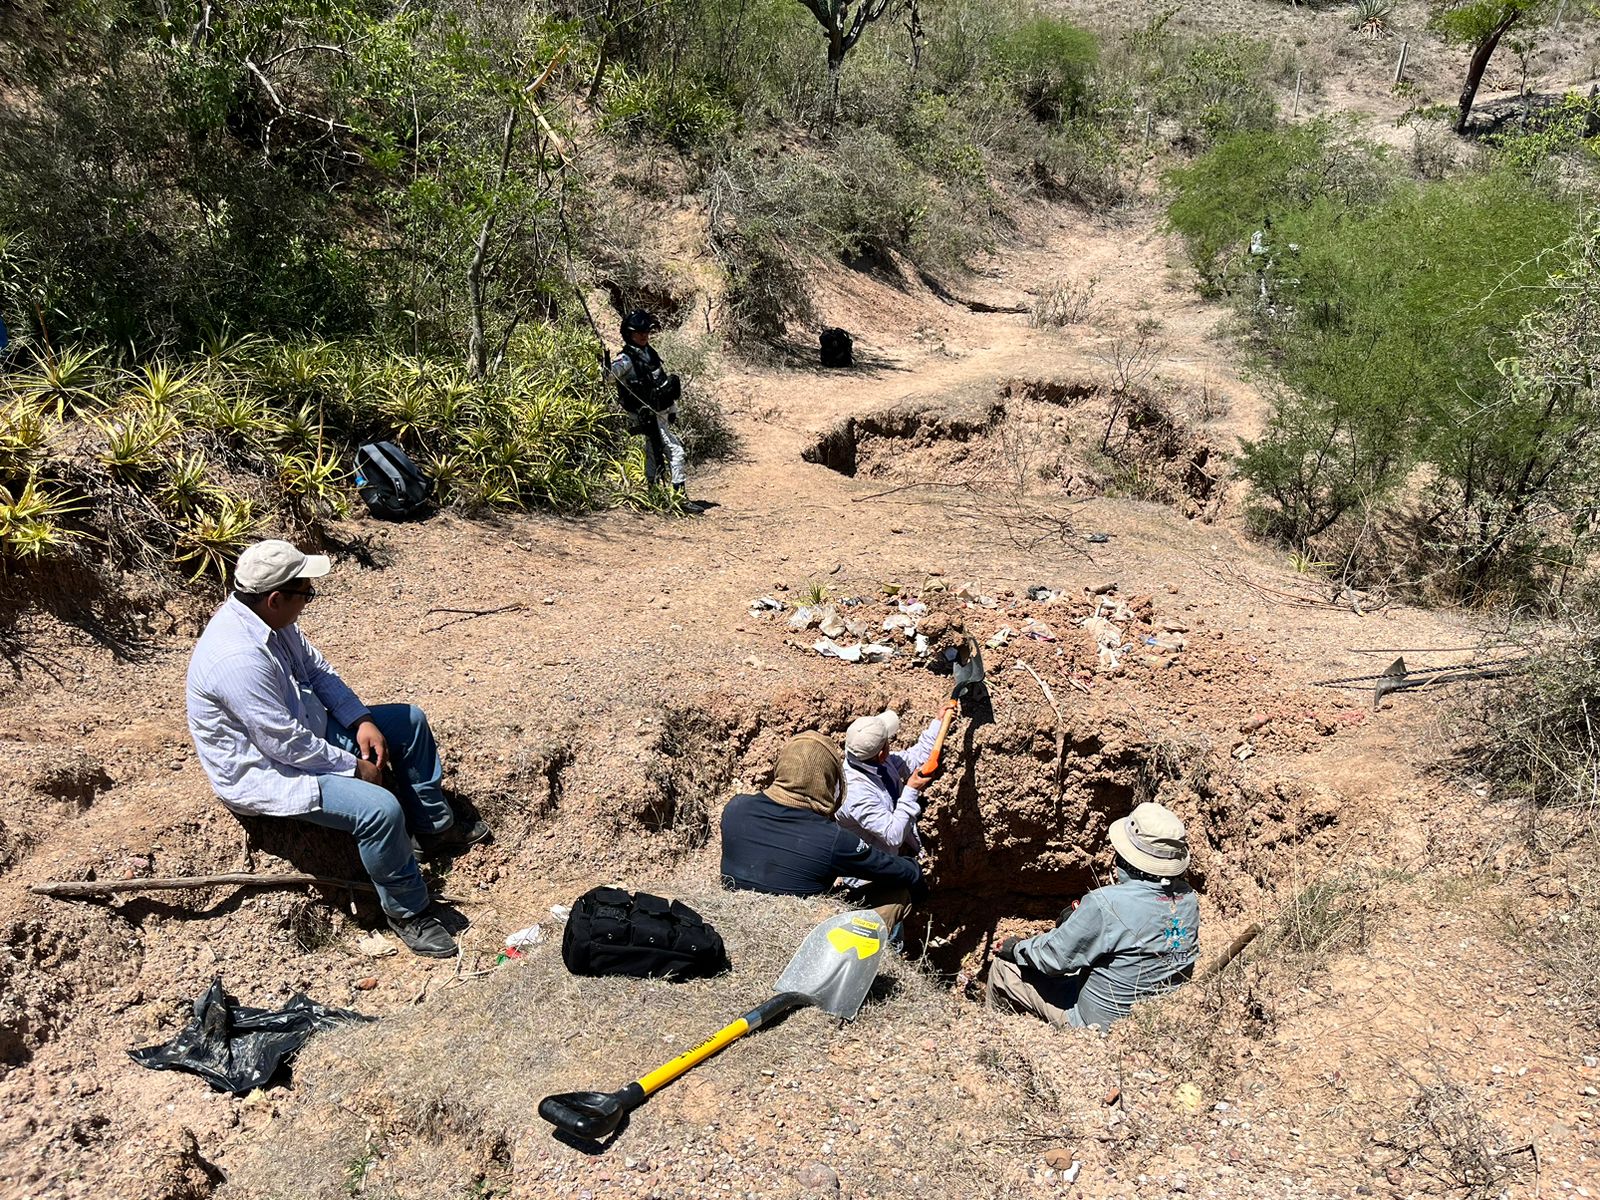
{"points": [[614, 932]]}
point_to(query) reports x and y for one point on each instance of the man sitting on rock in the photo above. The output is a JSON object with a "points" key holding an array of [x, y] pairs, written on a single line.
{"points": [[883, 788], [279, 734], [784, 841], [1120, 944]]}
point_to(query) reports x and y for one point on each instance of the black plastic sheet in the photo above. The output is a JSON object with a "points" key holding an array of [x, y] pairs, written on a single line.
{"points": [[235, 1048]]}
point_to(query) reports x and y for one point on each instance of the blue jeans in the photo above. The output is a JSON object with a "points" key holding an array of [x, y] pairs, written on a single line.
{"points": [[381, 820]]}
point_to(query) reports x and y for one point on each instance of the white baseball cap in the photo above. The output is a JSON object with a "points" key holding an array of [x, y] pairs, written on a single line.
{"points": [[267, 566], [867, 736]]}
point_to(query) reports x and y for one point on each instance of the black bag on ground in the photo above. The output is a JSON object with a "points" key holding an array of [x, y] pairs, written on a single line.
{"points": [[838, 348], [615, 932], [235, 1048], [390, 483]]}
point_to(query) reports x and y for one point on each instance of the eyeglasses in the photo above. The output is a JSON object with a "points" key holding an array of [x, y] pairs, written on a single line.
{"points": [[308, 595]]}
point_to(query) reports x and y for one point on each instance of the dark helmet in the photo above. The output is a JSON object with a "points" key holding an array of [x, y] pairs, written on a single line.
{"points": [[640, 321]]}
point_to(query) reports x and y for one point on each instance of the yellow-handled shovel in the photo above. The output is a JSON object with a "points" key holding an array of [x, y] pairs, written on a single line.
{"points": [[832, 970]]}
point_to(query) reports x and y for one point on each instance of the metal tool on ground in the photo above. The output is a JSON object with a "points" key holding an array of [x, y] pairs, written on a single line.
{"points": [[832, 970]]}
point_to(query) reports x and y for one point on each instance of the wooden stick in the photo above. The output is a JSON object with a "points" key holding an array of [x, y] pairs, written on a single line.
{"points": [[1061, 731], [1250, 934], [72, 888]]}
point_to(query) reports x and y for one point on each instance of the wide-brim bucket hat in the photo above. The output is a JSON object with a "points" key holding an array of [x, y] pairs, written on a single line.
{"points": [[1152, 838]]}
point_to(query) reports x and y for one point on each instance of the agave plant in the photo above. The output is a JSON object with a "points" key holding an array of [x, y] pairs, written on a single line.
{"points": [[134, 441], [1372, 18], [24, 437], [404, 405], [159, 388], [315, 484], [186, 487], [62, 380], [239, 417], [221, 346], [300, 430], [30, 522], [212, 540]]}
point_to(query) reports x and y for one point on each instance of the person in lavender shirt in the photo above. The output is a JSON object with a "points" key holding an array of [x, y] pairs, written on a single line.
{"points": [[281, 735]]}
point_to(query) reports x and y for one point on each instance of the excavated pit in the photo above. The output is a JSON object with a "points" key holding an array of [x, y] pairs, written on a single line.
{"points": [[1036, 437], [1017, 828]]}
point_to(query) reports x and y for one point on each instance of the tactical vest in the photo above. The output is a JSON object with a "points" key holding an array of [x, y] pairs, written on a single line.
{"points": [[649, 385]]}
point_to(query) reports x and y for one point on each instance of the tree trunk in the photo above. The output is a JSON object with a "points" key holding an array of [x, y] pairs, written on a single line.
{"points": [[1480, 61], [835, 69], [477, 342]]}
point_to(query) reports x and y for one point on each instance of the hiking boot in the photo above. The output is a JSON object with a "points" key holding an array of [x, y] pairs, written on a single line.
{"points": [[424, 934], [453, 839]]}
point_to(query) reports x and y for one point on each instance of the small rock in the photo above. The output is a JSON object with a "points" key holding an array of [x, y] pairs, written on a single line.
{"points": [[1101, 588], [1113, 1096], [1058, 1157], [817, 1177], [366, 984], [1260, 720]]}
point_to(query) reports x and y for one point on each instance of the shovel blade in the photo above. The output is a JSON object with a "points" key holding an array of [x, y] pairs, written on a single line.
{"points": [[836, 964], [968, 668]]}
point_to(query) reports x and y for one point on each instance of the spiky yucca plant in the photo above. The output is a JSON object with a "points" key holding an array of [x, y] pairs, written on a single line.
{"points": [[211, 541], [133, 442], [30, 522], [62, 380], [187, 487]]}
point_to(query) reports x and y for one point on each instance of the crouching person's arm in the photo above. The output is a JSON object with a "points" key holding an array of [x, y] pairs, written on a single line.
{"points": [[1070, 947]]}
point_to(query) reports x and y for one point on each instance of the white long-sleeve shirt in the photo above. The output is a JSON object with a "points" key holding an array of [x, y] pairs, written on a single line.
{"points": [[878, 806], [259, 702]]}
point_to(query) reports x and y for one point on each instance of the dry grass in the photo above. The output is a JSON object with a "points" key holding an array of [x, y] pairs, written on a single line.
{"points": [[1444, 1136], [440, 1099]]}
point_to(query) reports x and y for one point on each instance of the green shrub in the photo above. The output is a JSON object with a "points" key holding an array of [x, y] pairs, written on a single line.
{"points": [[1249, 180], [1386, 352], [680, 114], [1048, 63]]}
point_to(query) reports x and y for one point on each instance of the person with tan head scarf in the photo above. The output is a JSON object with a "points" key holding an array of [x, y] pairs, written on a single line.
{"points": [[783, 841]]}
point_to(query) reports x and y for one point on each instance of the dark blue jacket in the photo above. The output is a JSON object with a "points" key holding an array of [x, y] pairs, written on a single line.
{"points": [[769, 847]]}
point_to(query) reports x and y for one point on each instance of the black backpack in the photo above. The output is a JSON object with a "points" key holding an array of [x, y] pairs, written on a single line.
{"points": [[838, 348], [613, 932], [390, 483]]}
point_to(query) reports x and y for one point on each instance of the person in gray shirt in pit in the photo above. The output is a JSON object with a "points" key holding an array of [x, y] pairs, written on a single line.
{"points": [[1120, 944]]}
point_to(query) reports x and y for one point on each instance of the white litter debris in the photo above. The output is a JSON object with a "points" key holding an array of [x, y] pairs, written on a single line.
{"points": [[969, 592], [524, 938], [560, 911], [858, 652], [903, 623], [1035, 628], [762, 605], [831, 623], [804, 618], [1107, 640], [829, 648], [376, 946], [1000, 638]]}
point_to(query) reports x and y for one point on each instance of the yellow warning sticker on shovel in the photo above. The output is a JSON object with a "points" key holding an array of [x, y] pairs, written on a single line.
{"points": [[846, 939]]}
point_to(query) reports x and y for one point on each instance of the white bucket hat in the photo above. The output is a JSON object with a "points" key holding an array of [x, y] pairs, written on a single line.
{"points": [[267, 566], [867, 736], [1152, 839]]}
